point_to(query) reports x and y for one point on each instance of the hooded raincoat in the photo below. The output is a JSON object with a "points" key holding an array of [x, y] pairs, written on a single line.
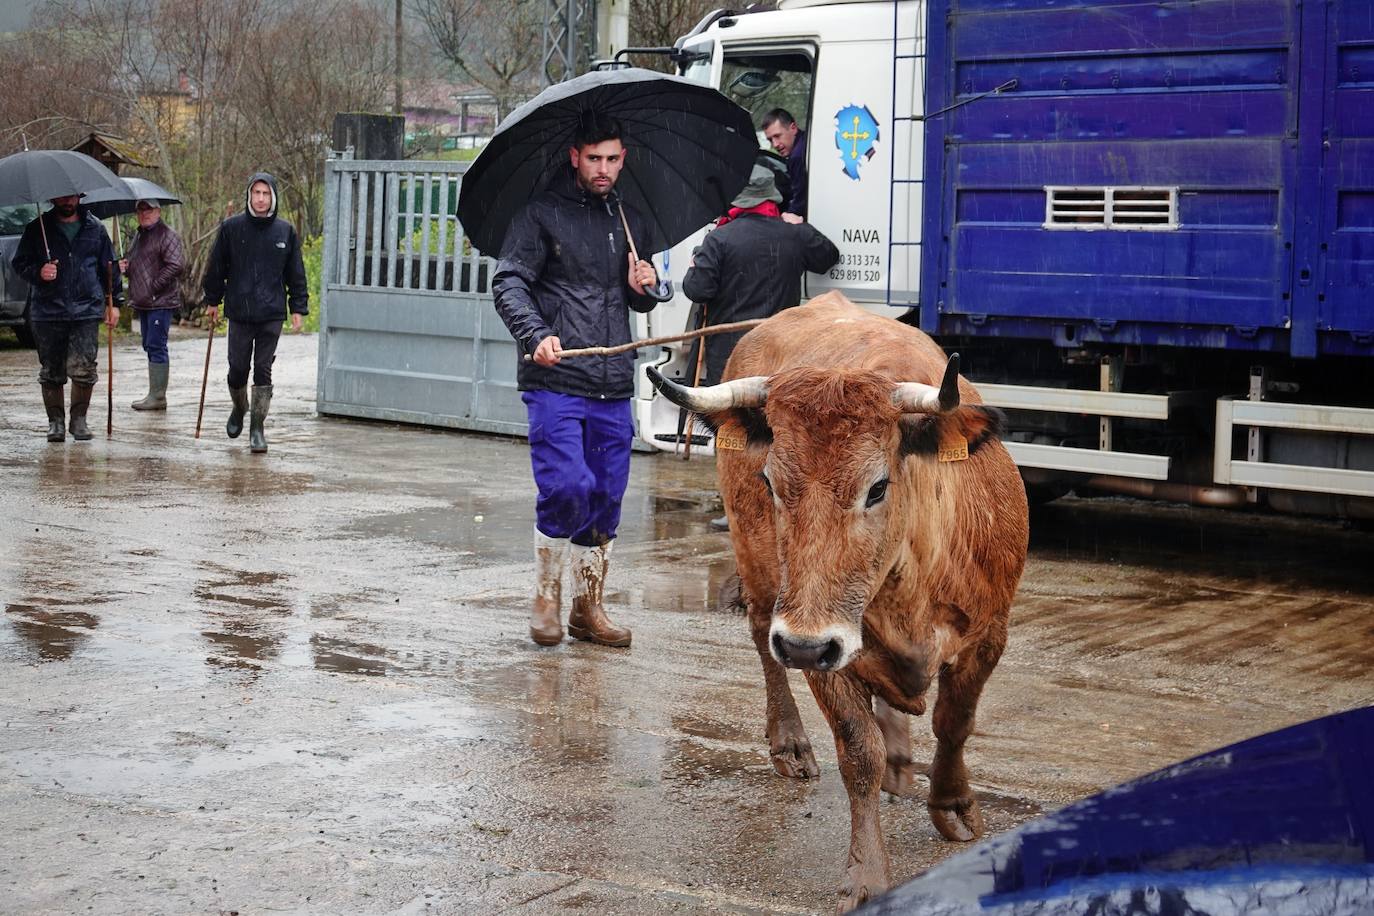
{"points": [[255, 267]]}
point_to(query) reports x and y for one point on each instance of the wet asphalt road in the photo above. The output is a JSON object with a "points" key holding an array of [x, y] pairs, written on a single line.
{"points": [[301, 682]]}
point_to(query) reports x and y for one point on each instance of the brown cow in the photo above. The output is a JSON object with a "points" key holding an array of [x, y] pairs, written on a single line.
{"points": [[868, 558]]}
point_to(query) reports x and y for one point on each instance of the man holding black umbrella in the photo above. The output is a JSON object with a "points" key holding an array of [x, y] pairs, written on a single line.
{"points": [[567, 279], [66, 256]]}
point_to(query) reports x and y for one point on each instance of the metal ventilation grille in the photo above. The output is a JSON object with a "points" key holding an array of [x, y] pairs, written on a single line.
{"points": [[1111, 208]]}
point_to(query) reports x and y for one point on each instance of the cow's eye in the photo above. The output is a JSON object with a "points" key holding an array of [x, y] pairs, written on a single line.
{"points": [[876, 493]]}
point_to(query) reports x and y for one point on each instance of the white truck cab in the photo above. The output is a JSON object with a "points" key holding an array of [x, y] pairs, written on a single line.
{"points": [[850, 74]]}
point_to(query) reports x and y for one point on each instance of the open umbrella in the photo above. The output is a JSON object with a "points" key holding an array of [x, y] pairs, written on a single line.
{"points": [[36, 175], [689, 152], [114, 202]]}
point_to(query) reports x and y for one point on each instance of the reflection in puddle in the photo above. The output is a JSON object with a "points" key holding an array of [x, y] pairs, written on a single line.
{"points": [[245, 615], [344, 657], [52, 635]]}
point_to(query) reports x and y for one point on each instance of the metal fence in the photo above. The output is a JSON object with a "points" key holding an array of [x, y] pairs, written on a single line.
{"points": [[407, 327]]}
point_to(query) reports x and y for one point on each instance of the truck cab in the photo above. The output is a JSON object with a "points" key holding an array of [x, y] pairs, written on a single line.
{"points": [[849, 73]]}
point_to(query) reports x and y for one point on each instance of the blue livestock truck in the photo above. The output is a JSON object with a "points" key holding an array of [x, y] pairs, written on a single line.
{"points": [[1148, 227]]}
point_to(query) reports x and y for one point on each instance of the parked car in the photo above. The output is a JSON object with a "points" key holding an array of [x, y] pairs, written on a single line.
{"points": [[1279, 825], [14, 290]]}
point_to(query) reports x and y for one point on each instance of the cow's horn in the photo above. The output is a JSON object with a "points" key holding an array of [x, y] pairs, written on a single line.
{"points": [[742, 392], [915, 397]]}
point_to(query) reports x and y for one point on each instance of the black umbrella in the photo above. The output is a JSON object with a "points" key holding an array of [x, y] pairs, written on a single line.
{"points": [[689, 152], [37, 175], [108, 203]]}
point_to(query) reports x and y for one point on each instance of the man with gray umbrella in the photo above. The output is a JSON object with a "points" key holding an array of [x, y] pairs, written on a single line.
{"points": [[66, 256]]}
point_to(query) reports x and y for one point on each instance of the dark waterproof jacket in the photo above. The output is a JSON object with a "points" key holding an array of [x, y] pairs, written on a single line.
{"points": [[78, 293], [156, 264], [796, 177], [255, 263], [751, 268], [564, 271]]}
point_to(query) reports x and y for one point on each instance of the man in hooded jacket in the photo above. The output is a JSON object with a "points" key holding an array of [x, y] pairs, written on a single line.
{"points": [[256, 270], [566, 279], [66, 256]]}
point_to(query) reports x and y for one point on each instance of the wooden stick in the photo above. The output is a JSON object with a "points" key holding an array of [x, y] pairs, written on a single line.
{"points": [[109, 352], [206, 376], [655, 341], [696, 380]]}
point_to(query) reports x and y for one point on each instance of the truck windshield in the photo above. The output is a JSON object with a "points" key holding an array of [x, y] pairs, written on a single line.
{"points": [[699, 70]]}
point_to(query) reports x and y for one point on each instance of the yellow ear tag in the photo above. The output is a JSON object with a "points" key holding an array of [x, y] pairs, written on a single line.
{"points": [[953, 445], [730, 437]]}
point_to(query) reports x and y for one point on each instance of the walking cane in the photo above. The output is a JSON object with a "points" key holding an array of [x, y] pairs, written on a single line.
{"points": [[109, 351], [206, 377], [696, 380]]}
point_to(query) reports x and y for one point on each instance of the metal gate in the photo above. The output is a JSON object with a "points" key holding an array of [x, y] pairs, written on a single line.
{"points": [[408, 331]]}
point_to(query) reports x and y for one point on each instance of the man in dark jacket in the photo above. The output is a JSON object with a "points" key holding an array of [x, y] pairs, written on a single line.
{"points": [[782, 132], [154, 267], [254, 266], [750, 265], [67, 258], [566, 279]]}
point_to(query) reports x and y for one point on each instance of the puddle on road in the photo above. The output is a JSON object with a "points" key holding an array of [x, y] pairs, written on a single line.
{"points": [[52, 636]]}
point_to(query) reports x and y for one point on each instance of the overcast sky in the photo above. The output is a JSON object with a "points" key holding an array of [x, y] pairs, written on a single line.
{"points": [[14, 14]]}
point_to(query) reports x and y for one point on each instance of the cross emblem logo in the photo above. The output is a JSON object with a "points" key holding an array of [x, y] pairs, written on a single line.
{"points": [[856, 137]]}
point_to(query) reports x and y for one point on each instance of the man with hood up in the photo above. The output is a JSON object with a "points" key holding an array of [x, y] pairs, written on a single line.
{"points": [[566, 279], [255, 269], [66, 256]]}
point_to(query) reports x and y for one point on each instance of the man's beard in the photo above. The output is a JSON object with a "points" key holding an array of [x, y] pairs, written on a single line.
{"points": [[66, 210]]}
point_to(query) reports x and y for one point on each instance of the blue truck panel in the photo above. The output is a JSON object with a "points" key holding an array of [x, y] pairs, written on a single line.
{"points": [[1252, 115]]}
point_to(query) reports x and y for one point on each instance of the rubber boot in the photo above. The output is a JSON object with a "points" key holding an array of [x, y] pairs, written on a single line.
{"points": [[262, 400], [546, 616], [588, 619], [235, 425], [156, 398], [81, 400], [57, 413]]}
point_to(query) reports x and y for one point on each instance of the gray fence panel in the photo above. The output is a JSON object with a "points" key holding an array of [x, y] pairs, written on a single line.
{"points": [[408, 331]]}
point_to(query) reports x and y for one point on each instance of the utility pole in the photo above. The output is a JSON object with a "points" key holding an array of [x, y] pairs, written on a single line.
{"points": [[400, 43]]}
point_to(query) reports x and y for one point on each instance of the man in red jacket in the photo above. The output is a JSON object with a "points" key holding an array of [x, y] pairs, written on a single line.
{"points": [[154, 268]]}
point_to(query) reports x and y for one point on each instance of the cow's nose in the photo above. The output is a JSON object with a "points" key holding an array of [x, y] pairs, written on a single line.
{"points": [[820, 655]]}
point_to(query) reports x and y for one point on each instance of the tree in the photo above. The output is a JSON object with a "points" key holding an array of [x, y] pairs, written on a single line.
{"points": [[498, 45]]}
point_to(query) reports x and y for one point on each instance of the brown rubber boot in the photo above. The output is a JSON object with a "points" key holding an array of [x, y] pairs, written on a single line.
{"points": [[81, 401], [588, 619], [57, 413], [546, 617]]}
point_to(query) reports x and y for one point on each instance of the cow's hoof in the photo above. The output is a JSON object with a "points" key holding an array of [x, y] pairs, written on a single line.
{"points": [[792, 756], [960, 821], [861, 884], [898, 776]]}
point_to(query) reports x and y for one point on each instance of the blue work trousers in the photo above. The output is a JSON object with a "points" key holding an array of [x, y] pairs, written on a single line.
{"points": [[580, 453], [155, 324]]}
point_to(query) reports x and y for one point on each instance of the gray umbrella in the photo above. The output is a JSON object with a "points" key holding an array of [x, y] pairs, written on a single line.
{"points": [[689, 152], [36, 175], [108, 203]]}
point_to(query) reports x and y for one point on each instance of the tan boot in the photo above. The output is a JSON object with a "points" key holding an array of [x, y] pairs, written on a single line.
{"points": [[588, 619], [546, 617]]}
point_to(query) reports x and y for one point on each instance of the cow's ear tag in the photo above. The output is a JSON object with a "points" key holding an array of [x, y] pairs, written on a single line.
{"points": [[953, 445], [730, 437]]}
